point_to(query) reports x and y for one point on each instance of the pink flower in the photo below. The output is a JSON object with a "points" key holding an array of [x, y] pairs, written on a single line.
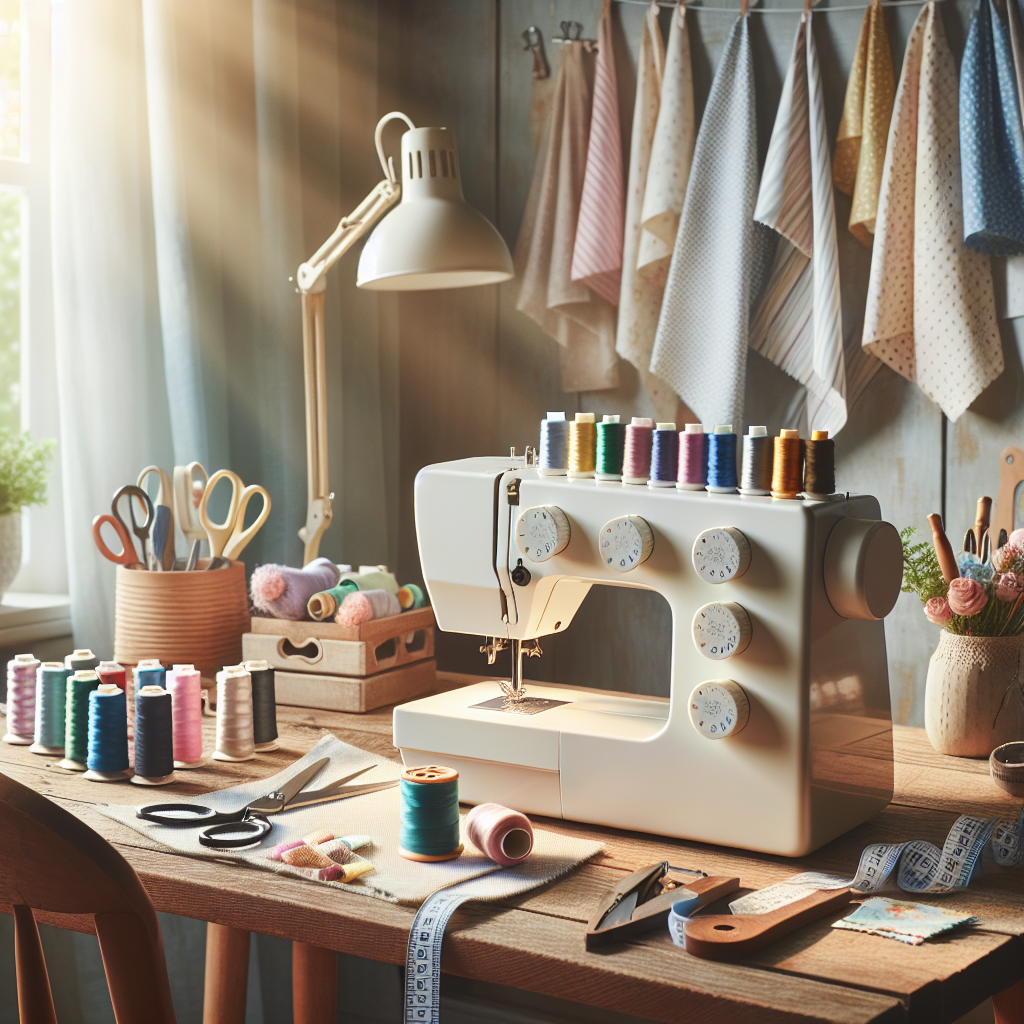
{"points": [[966, 596], [1009, 587], [937, 611], [1017, 538], [1006, 557]]}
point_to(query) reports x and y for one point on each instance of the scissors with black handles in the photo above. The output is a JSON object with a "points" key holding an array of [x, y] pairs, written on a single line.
{"points": [[245, 827]]}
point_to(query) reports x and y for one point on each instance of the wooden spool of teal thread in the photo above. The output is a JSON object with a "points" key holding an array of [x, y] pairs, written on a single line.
{"points": [[430, 814]]}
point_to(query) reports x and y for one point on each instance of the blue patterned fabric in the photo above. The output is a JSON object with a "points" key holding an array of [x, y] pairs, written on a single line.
{"points": [[991, 139]]}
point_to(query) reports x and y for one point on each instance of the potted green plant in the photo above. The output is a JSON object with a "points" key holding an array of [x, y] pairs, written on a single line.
{"points": [[24, 467]]}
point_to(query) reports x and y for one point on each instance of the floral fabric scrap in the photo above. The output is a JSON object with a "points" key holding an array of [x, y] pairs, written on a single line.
{"points": [[911, 923]]}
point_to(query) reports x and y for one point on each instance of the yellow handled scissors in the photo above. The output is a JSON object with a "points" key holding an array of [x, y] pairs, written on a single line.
{"points": [[230, 537]]}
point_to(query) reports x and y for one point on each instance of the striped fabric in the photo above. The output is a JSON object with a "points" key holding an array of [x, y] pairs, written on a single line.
{"points": [[597, 255], [798, 325]]}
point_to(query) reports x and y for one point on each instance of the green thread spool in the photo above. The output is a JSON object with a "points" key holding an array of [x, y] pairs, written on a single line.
{"points": [[430, 814], [76, 719], [411, 596], [51, 705], [323, 605], [611, 440]]}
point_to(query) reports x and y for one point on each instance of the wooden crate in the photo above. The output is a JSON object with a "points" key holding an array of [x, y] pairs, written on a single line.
{"points": [[356, 693], [325, 648]]}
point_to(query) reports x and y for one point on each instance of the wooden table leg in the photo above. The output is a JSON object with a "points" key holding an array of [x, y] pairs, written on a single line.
{"points": [[314, 984], [227, 974], [1008, 1006]]}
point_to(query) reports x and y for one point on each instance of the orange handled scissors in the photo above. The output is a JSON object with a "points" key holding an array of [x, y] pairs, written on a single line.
{"points": [[127, 555], [229, 538]]}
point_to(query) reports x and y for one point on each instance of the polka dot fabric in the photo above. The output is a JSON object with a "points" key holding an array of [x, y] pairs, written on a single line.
{"points": [[991, 138], [930, 310]]}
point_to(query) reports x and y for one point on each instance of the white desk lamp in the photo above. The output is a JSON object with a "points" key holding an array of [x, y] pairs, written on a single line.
{"points": [[433, 239]]}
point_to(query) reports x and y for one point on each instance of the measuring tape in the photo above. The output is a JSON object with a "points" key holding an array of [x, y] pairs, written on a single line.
{"points": [[920, 866]]}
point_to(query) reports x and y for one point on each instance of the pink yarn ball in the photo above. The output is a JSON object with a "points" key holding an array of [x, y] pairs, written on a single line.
{"points": [[937, 610], [267, 583], [504, 835], [1016, 538], [966, 596], [354, 610]]}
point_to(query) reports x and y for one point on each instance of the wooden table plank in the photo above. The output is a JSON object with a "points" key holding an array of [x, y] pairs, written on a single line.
{"points": [[535, 941]]}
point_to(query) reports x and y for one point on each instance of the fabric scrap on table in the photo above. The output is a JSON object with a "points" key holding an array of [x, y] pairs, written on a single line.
{"points": [[700, 347], [394, 878], [644, 285], [991, 138], [798, 325], [580, 321], [911, 923], [930, 311], [864, 128], [597, 252]]}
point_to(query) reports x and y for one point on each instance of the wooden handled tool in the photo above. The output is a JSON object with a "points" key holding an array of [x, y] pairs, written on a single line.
{"points": [[943, 549], [728, 936], [982, 518]]}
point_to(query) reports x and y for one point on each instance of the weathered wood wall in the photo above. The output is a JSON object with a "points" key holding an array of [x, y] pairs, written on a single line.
{"points": [[476, 376]]}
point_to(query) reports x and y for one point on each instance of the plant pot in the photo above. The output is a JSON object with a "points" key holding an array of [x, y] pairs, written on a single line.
{"points": [[10, 550], [972, 700]]}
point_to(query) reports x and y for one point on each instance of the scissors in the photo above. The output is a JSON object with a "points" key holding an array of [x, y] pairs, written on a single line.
{"points": [[249, 825], [163, 528], [127, 554], [229, 538], [188, 493]]}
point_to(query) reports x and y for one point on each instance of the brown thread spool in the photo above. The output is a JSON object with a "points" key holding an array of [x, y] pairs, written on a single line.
{"points": [[786, 478], [819, 465]]}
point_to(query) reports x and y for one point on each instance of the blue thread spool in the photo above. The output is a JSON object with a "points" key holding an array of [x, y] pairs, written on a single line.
{"points": [[108, 734], [150, 672], [51, 702], [554, 445], [154, 737], [664, 456], [430, 814], [722, 460]]}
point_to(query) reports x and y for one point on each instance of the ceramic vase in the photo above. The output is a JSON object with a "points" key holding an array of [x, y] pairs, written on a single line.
{"points": [[10, 550], [973, 696]]}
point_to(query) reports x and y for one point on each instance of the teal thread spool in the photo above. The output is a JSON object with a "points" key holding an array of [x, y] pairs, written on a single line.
{"points": [[107, 760], [51, 704], [76, 722], [611, 440], [323, 605], [430, 814], [150, 672]]}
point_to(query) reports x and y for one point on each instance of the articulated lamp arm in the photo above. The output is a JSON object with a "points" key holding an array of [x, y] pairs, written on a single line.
{"points": [[312, 281]]}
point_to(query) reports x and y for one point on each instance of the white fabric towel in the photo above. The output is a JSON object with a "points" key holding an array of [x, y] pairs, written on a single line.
{"points": [[930, 309], [701, 343], [798, 325]]}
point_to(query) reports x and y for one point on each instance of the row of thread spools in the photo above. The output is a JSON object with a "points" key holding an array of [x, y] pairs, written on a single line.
{"points": [[657, 455], [85, 710]]}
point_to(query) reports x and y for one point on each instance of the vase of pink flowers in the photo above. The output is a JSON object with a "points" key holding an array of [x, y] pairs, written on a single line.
{"points": [[974, 694]]}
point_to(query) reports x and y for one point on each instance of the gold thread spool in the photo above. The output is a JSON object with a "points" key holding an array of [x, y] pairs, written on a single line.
{"points": [[786, 478], [819, 465], [582, 446]]}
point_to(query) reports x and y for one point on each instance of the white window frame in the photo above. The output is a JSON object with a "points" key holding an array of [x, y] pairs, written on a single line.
{"points": [[44, 565]]}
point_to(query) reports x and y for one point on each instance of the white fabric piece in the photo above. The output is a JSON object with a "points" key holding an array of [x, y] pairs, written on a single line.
{"points": [[640, 297], [1008, 280], [701, 344], [798, 325], [930, 309], [375, 814]]}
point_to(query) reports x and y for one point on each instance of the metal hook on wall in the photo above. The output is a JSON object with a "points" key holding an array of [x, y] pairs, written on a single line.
{"points": [[535, 43], [572, 32]]}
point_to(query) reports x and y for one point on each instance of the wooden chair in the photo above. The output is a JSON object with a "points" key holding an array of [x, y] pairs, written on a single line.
{"points": [[51, 861]]}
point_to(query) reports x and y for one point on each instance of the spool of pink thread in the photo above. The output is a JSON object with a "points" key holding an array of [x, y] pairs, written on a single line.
{"points": [[504, 835], [693, 458], [636, 459], [185, 687]]}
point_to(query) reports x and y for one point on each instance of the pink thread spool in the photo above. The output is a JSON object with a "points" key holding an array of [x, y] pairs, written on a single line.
{"points": [[185, 687], [693, 458], [21, 700], [636, 460], [504, 835]]}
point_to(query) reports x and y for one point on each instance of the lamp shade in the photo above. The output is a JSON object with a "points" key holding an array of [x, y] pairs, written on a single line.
{"points": [[433, 238]]}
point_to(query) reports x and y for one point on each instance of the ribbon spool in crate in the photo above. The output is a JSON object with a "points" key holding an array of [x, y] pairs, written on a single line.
{"points": [[195, 617]]}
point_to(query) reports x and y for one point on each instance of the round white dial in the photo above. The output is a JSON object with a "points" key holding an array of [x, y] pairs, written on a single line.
{"points": [[721, 629], [721, 554], [542, 532], [625, 543], [718, 708]]}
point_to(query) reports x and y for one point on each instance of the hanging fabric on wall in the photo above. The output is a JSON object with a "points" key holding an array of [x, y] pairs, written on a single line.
{"points": [[581, 321], [867, 110], [701, 344], [991, 138], [798, 325], [643, 287], [930, 310], [597, 255]]}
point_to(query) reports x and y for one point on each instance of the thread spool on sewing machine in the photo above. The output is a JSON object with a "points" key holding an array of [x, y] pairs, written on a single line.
{"points": [[772, 601]]}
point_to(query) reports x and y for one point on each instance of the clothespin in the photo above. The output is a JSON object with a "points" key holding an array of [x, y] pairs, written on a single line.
{"points": [[535, 43]]}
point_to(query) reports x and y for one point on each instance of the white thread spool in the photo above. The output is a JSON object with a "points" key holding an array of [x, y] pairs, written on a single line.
{"points": [[235, 740]]}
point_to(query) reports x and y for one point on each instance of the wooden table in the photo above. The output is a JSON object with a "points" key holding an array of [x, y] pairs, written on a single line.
{"points": [[535, 941]]}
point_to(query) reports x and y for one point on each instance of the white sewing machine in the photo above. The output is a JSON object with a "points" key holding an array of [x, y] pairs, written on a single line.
{"points": [[778, 733]]}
